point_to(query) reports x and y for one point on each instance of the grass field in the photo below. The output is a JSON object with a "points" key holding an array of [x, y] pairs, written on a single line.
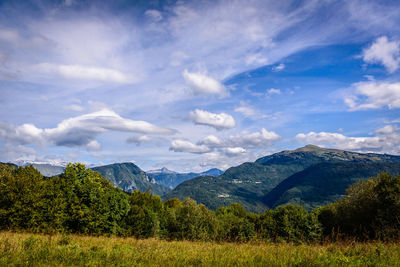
{"points": [[22, 249]]}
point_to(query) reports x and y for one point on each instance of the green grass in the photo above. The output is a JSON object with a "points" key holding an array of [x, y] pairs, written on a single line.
{"points": [[23, 249]]}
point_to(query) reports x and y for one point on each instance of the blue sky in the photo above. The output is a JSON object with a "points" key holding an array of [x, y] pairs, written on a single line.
{"points": [[192, 85]]}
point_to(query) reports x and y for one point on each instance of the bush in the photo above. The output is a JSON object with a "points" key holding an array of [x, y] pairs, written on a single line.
{"points": [[234, 224], [290, 223], [369, 210]]}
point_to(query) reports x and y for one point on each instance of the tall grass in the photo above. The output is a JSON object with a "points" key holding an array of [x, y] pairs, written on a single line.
{"points": [[23, 249]]}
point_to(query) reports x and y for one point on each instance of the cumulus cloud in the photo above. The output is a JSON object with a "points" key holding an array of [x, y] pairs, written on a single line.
{"points": [[234, 151], [219, 121], [85, 73], [203, 84], [384, 52], [255, 140], [231, 147], [23, 134], [186, 146], [93, 145], [386, 139], [374, 95], [78, 131]]}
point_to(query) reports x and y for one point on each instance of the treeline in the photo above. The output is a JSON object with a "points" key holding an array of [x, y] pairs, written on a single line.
{"points": [[82, 201]]}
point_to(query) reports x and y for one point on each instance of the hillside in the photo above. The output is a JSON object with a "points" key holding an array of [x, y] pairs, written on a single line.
{"points": [[171, 179], [12, 165], [129, 177], [323, 183], [250, 182]]}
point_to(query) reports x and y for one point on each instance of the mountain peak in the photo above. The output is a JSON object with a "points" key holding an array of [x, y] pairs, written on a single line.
{"points": [[212, 172], [309, 147], [162, 170]]}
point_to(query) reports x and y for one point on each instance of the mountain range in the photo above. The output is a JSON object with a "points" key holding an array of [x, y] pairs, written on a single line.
{"points": [[310, 176], [128, 176]]}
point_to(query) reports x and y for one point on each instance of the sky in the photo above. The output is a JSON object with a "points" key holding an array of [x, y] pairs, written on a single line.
{"points": [[193, 85]]}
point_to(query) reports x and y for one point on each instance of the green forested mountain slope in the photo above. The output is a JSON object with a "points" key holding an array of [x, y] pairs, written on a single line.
{"points": [[12, 165], [129, 177], [323, 183], [250, 182]]}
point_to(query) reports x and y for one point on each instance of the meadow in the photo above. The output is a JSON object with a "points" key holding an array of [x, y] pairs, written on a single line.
{"points": [[26, 249]]}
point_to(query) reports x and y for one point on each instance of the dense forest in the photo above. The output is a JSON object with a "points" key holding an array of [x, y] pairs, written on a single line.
{"points": [[81, 201]]}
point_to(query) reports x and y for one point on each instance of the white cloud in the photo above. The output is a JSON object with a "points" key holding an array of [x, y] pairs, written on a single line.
{"points": [[93, 145], [203, 84], [78, 131], [374, 95], [273, 91], [386, 139], [219, 121], [384, 52], [234, 151], [279, 67], [255, 140], [232, 146], [186, 146], [85, 73]]}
